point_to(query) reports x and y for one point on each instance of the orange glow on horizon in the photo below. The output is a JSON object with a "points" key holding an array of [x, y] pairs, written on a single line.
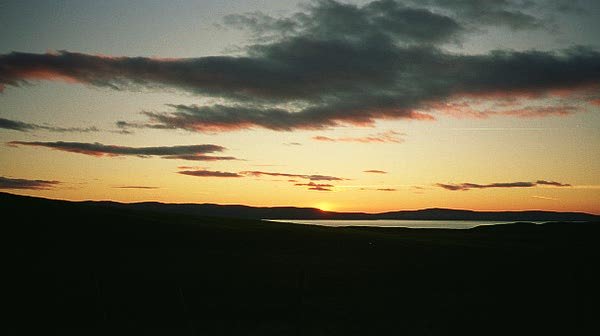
{"points": [[325, 206]]}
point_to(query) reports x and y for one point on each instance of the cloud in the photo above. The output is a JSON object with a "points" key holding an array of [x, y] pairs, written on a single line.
{"points": [[335, 20], [301, 176], [536, 112], [12, 183], [332, 64], [15, 125], [383, 137], [26, 127], [474, 109], [136, 187], [469, 186], [508, 13], [316, 186], [200, 157], [311, 185], [375, 171], [209, 173], [552, 183], [379, 189], [319, 189], [186, 152]]}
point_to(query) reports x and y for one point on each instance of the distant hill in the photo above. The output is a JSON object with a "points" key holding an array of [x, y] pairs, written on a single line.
{"points": [[248, 212]]}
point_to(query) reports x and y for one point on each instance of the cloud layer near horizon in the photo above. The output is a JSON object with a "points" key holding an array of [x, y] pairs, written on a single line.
{"points": [[311, 184], [469, 186], [337, 64], [208, 173], [186, 152], [15, 183], [136, 187]]}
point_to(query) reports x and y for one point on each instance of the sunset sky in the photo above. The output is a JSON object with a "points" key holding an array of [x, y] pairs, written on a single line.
{"points": [[342, 105]]}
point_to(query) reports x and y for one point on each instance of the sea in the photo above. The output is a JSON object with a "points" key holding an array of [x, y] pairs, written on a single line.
{"points": [[415, 224]]}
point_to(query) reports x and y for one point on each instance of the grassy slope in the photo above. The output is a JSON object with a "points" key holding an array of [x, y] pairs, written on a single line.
{"points": [[87, 269]]}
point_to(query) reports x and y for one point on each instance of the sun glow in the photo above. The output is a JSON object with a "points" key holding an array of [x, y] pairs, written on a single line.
{"points": [[324, 206]]}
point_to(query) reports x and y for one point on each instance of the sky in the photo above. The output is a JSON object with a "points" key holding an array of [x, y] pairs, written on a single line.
{"points": [[341, 105]]}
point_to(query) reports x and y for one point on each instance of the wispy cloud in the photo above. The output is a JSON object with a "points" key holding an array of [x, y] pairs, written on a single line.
{"points": [[27, 127], [469, 186], [383, 137], [552, 183], [316, 186], [301, 176], [16, 183], [135, 187], [501, 129], [479, 107], [209, 173], [200, 157], [294, 178], [418, 189], [375, 171], [185, 152], [378, 189]]}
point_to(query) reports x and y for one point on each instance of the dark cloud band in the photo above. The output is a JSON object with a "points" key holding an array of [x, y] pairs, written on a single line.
{"points": [[301, 176], [26, 127], [208, 173], [137, 187], [187, 152], [469, 186], [13, 183]]}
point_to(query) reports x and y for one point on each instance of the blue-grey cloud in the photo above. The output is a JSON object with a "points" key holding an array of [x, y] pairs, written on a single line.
{"points": [[332, 64], [514, 14]]}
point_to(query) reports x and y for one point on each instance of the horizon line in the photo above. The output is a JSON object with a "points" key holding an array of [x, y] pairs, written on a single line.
{"points": [[297, 207]]}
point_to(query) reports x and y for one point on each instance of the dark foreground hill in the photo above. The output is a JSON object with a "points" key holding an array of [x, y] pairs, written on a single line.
{"points": [[96, 269]]}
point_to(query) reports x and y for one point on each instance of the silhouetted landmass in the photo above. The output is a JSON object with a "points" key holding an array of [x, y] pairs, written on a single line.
{"points": [[101, 269], [248, 212]]}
